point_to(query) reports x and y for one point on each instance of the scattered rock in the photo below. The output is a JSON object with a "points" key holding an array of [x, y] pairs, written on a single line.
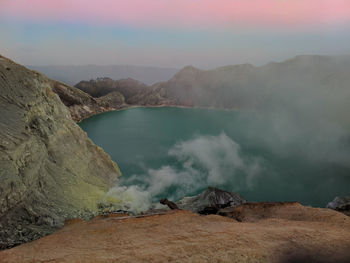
{"points": [[109, 208], [341, 204], [210, 201], [170, 204]]}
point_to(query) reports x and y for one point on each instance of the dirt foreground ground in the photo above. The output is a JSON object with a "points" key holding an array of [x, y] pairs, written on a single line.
{"points": [[287, 233]]}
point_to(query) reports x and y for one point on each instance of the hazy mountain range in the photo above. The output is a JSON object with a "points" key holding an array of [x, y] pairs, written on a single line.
{"points": [[71, 75], [311, 84], [294, 99]]}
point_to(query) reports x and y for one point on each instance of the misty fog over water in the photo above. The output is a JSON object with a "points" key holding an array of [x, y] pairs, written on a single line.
{"points": [[174, 152]]}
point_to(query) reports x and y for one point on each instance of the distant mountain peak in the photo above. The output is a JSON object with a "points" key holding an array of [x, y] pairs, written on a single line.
{"points": [[118, 81], [306, 59], [187, 72], [246, 66]]}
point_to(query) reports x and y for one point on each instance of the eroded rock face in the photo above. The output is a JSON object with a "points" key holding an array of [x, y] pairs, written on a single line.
{"points": [[49, 169], [114, 100], [341, 204], [124, 93], [103, 86], [210, 201], [80, 104]]}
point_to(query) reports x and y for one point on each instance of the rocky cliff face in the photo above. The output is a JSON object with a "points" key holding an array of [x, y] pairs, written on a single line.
{"points": [[123, 93], [80, 104], [49, 169], [102, 86]]}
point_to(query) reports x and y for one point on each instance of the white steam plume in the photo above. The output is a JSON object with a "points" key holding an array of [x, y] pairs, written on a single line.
{"points": [[201, 162]]}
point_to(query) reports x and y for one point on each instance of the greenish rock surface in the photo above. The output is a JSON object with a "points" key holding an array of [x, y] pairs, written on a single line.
{"points": [[49, 169]]}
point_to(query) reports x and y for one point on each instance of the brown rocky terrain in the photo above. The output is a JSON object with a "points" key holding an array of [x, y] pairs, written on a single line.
{"points": [[267, 233]]}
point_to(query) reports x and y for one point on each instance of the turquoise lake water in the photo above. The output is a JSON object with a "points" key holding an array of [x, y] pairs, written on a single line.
{"points": [[172, 152]]}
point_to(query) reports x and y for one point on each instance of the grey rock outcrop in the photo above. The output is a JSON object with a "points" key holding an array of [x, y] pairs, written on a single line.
{"points": [[341, 204], [210, 201], [80, 104], [49, 169], [123, 93]]}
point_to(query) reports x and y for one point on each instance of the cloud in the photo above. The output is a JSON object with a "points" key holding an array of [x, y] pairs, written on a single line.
{"points": [[183, 13], [218, 155], [204, 161]]}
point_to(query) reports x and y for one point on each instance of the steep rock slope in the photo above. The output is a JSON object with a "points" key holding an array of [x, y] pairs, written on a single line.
{"points": [[80, 104], [49, 169]]}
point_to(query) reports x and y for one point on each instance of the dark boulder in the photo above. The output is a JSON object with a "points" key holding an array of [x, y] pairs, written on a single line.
{"points": [[170, 204], [341, 204], [210, 201]]}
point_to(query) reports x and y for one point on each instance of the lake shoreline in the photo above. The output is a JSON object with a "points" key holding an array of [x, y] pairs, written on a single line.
{"points": [[127, 107]]}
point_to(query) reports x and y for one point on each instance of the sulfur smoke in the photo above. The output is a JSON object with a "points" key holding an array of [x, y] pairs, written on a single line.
{"points": [[202, 161]]}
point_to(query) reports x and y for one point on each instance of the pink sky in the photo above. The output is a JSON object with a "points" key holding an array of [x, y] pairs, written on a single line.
{"points": [[180, 13]]}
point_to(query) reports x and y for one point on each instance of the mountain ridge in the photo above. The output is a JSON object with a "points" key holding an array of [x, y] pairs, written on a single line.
{"points": [[244, 86], [72, 74]]}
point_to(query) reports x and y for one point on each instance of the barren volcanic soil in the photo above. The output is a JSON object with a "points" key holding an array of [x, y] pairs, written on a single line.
{"points": [[286, 233]]}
